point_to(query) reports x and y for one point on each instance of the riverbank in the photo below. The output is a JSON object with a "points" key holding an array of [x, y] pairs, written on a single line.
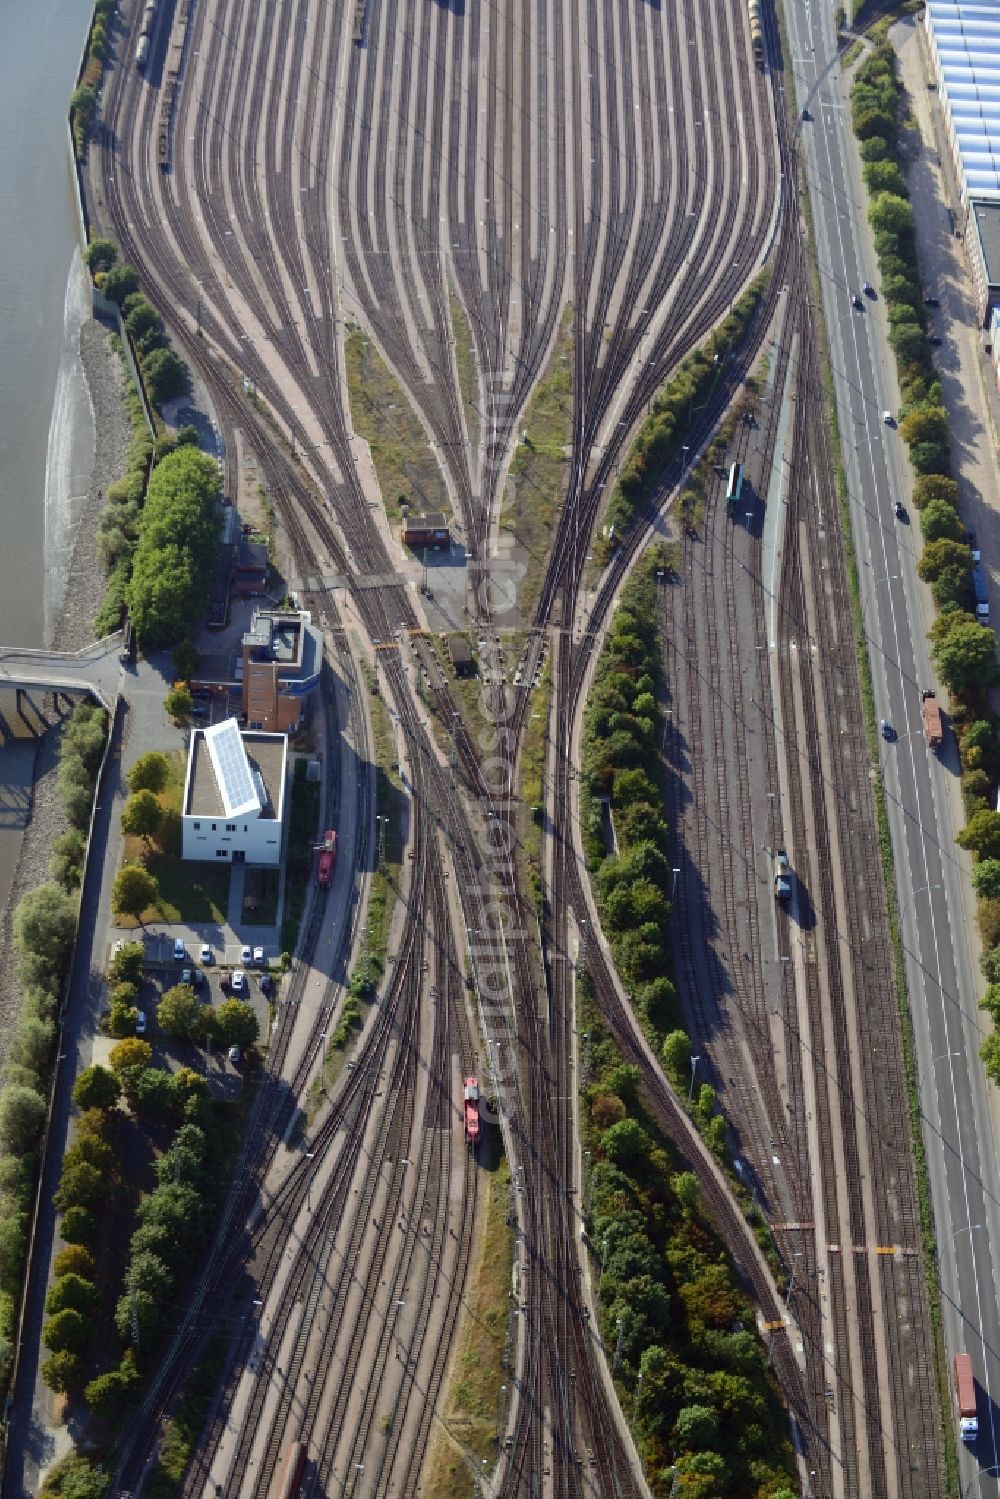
{"points": [[41, 818]]}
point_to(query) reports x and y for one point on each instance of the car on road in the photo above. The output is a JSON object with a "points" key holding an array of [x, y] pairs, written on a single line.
{"points": [[932, 338], [868, 289], [246, 956], [239, 981], [140, 1022], [206, 954], [930, 300], [179, 953], [973, 545], [888, 418], [857, 302], [258, 957], [899, 510], [806, 115], [888, 732]]}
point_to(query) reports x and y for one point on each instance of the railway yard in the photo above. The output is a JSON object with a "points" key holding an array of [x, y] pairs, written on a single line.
{"points": [[281, 175]]}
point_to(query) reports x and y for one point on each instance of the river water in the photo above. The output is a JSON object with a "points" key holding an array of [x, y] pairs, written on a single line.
{"points": [[46, 424]]}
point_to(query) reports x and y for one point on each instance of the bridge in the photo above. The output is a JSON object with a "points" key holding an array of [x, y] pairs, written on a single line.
{"points": [[97, 669]]}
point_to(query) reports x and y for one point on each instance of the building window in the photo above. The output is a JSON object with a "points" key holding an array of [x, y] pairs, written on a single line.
{"points": [[213, 827], [230, 827], [220, 853], [197, 825]]}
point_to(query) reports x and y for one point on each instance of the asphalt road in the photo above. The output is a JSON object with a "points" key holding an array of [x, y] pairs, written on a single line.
{"points": [[935, 897]]}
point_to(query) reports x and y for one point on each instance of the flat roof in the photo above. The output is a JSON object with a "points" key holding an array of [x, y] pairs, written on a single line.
{"points": [[965, 44], [987, 219], [266, 755]]}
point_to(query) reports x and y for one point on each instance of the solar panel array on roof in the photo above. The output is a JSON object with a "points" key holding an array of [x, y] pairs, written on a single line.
{"points": [[965, 45], [232, 768]]}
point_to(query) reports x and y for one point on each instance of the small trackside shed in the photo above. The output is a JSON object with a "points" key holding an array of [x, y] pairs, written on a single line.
{"points": [[425, 531]]}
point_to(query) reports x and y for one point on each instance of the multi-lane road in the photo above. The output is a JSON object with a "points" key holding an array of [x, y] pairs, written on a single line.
{"points": [[924, 809]]}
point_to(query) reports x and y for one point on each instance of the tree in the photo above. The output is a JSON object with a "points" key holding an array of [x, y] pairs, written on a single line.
{"points": [[149, 773], [75, 1260], [63, 1372], [986, 878], [78, 1226], [235, 1023], [166, 375], [625, 1143], [149, 1090], [22, 1117], [93, 1149], [180, 1013], [990, 1002], [884, 177], [133, 891], [32, 1044], [126, 965], [72, 1291], [45, 926], [142, 816], [66, 863], [908, 342], [143, 322], [83, 103], [687, 1191], [696, 1427], [981, 835], [676, 1053], [990, 1055], [132, 1052], [938, 555], [925, 424], [930, 457], [178, 701], [120, 282], [606, 1109], [66, 1331], [80, 1186], [871, 123], [96, 1088], [108, 1394], [950, 589], [989, 965], [966, 656], [100, 255], [940, 522], [935, 487], [186, 659], [890, 213]]}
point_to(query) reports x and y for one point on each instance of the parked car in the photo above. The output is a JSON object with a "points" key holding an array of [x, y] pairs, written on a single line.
{"points": [[868, 289], [259, 957], [140, 1022], [233, 1054], [246, 956], [856, 300], [186, 975], [239, 981], [179, 953], [118, 947], [266, 984], [206, 955], [930, 300]]}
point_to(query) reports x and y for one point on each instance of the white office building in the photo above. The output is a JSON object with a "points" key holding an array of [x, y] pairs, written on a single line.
{"points": [[234, 795]]}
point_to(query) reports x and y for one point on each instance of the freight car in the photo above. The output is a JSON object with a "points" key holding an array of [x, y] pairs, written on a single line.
{"points": [[471, 1092], [756, 30], [327, 859]]}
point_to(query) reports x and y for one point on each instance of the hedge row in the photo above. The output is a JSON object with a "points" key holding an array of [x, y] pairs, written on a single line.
{"points": [[83, 103], [963, 650], [661, 435], [44, 932]]}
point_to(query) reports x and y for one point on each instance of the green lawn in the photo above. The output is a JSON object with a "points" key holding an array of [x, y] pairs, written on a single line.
{"points": [[189, 892], [260, 897]]}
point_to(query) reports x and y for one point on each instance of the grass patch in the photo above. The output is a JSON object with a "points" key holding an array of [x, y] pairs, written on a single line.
{"points": [[260, 897], [853, 52], [404, 463], [190, 892], [465, 363], [539, 470], [472, 1400]]}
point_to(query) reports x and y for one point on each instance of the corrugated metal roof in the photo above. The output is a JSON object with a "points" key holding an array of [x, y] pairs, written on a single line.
{"points": [[965, 44]]}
